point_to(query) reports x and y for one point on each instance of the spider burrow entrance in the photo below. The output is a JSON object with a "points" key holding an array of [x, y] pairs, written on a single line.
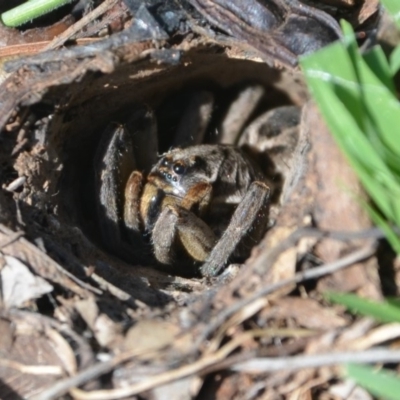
{"points": [[200, 206], [204, 103]]}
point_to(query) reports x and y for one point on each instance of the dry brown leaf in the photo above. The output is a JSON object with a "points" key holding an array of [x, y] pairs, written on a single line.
{"points": [[19, 285], [105, 330], [32, 362], [307, 312], [150, 335]]}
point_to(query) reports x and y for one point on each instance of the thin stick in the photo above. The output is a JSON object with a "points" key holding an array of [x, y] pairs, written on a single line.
{"points": [[314, 273], [75, 28], [47, 262], [271, 255], [32, 369], [256, 366], [267, 364], [94, 371], [11, 239], [205, 362]]}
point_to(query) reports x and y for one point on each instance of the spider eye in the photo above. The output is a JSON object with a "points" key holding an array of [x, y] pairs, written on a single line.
{"points": [[164, 162], [179, 169]]}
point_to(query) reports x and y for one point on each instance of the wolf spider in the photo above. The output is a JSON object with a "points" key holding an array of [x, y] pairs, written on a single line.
{"points": [[202, 205]]}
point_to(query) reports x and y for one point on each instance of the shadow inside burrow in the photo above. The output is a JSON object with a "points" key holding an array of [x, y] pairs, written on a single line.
{"points": [[88, 107]]}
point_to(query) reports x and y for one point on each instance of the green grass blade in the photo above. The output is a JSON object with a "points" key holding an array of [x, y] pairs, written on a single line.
{"points": [[384, 311], [356, 97], [380, 105], [394, 301], [30, 10], [377, 62], [338, 93], [391, 236], [395, 60], [384, 384]]}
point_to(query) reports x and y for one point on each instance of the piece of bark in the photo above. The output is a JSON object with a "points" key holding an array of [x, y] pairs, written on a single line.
{"points": [[337, 207]]}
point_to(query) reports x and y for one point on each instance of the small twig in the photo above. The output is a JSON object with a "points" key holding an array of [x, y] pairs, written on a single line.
{"points": [[63, 386], [256, 365], [55, 248], [11, 239], [32, 369], [271, 255], [379, 335], [47, 266], [262, 365], [19, 146], [314, 273], [16, 183], [205, 362], [81, 346], [26, 49], [16, 50], [75, 28]]}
